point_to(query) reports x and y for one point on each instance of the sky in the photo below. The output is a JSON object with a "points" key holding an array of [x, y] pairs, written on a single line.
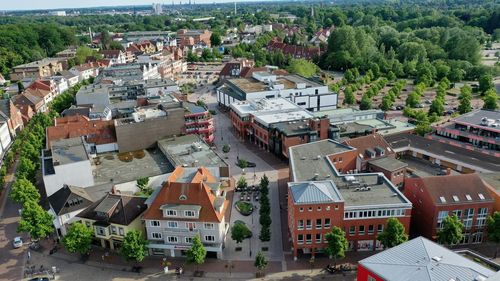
{"points": [[59, 4]]}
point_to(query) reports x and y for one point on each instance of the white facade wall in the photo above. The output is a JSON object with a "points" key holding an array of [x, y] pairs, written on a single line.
{"points": [[60, 222], [108, 147], [77, 174], [5, 139]]}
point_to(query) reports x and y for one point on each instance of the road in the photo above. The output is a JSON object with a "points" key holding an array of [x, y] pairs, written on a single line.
{"points": [[11, 260]]}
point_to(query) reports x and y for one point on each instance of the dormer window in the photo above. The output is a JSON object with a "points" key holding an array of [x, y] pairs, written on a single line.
{"points": [[183, 197], [171, 213], [189, 213]]}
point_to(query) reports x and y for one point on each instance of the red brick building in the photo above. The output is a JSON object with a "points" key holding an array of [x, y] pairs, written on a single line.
{"points": [[435, 198], [187, 37], [198, 120], [325, 191]]}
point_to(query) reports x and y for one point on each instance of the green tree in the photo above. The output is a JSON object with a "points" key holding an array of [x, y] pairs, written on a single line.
{"points": [[265, 233], [134, 247], [35, 220], [451, 232], [260, 262], [485, 83], [115, 45], [302, 67], [490, 100], [349, 96], [242, 183], [215, 39], [386, 103], [83, 52], [349, 76], [20, 87], [413, 99], [337, 243], [142, 182], [197, 253], [366, 102], [78, 239], [226, 148], [26, 169], [239, 232], [242, 163], [437, 107], [393, 234], [23, 190], [465, 98], [493, 224]]}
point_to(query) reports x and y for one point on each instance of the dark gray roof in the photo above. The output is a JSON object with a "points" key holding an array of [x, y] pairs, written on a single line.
{"points": [[69, 199], [388, 163], [477, 159], [475, 117], [423, 260], [76, 110], [121, 209]]}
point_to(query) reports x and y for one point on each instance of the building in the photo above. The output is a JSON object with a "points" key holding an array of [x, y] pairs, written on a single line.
{"points": [[275, 124], [71, 78], [423, 260], [326, 191], [477, 130], [10, 114], [29, 105], [112, 217], [233, 68], [65, 204], [295, 51], [199, 121], [443, 154], [85, 71], [5, 138], [187, 38], [44, 89], [435, 198], [99, 135], [132, 71], [191, 151], [157, 8], [303, 92], [190, 203], [37, 69], [492, 181], [116, 56], [149, 125], [60, 163]]}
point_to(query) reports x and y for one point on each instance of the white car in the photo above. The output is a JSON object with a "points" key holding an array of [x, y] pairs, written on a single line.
{"points": [[17, 243]]}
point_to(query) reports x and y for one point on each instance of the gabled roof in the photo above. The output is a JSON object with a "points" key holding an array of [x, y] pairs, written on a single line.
{"points": [[40, 84], [191, 189], [27, 98], [69, 199], [95, 131], [369, 142], [456, 189], [121, 209], [314, 192], [423, 260]]}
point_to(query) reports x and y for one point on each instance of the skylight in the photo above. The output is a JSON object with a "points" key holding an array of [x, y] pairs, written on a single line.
{"points": [[443, 200], [481, 196], [468, 197], [455, 198]]}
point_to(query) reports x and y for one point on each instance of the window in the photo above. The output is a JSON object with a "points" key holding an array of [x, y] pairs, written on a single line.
{"points": [[481, 196], [156, 235], [328, 208], [371, 229], [172, 224], [171, 213], [172, 239], [481, 217], [188, 240], [87, 224], [468, 216], [301, 209], [318, 238], [308, 224], [189, 213], [441, 216], [113, 229], [318, 223], [352, 230], [380, 228], [154, 223], [308, 238], [310, 209], [209, 238], [300, 239], [300, 225], [100, 230], [361, 229], [121, 231], [457, 213], [327, 223], [209, 226], [319, 209]]}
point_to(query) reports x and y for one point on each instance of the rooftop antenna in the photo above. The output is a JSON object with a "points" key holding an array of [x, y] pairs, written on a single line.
{"points": [[235, 7]]}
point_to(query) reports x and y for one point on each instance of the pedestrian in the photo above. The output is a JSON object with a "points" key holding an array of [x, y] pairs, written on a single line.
{"points": [[29, 255]]}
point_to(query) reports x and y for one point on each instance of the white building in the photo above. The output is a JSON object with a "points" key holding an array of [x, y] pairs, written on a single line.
{"points": [[61, 84], [190, 203], [67, 163], [303, 92], [5, 139]]}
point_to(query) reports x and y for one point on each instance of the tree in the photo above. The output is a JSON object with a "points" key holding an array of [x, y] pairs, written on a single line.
{"points": [[393, 234], [413, 99], [35, 220], [83, 52], [239, 232], [493, 224], [437, 106], [260, 261], [78, 239], [242, 163], [115, 45], [490, 100], [302, 67], [242, 183], [226, 148], [349, 96], [134, 247], [197, 253], [366, 102], [386, 103], [23, 190], [452, 231], [485, 83], [337, 243], [465, 98], [265, 233], [142, 182], [20, 87], [215, 39]]}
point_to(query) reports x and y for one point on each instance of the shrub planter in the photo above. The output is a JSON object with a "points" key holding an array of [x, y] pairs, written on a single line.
{"points": [[244, 208]]}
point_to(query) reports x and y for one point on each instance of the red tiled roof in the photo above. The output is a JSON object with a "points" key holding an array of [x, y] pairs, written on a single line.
{"points": [[40, 84], [95, 131], [369, 142], [196, 192]]}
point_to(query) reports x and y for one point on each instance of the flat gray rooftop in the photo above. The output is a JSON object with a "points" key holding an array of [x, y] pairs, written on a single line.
{"points": [[475, 117], [113, 167], [189, 151], [388, 163], [66, 151]]}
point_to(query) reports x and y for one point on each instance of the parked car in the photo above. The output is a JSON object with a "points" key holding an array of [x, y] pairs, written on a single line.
{"points": [[17, 242], [251, 165]]}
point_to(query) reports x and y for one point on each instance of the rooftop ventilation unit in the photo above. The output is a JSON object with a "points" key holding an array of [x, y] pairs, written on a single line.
{"points": [[436, 259]]}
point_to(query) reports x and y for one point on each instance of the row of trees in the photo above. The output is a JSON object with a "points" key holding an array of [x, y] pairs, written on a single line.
{"points": [[265, 210], [452, 230], [366, 99]]}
